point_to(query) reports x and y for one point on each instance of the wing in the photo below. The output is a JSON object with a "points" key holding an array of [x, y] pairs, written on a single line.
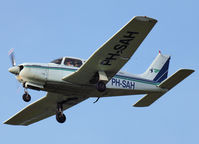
{"points": [[112, 56], [43, 108]]}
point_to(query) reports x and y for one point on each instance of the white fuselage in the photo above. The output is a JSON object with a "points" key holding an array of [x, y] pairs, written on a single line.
{"points": [[48, 77]]}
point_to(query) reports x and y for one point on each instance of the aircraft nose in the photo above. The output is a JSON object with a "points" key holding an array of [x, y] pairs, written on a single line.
{"points": [[14, 70]]}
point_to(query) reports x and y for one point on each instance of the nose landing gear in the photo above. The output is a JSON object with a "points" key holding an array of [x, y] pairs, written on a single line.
{"points": [[26, 97], [60, 117]]}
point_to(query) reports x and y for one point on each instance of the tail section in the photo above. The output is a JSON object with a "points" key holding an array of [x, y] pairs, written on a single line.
{"points": [[158, 70]]}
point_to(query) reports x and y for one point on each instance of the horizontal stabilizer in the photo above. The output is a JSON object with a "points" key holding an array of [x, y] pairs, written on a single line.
{"points": [[148, 100], [176, 78], [166, 84]]}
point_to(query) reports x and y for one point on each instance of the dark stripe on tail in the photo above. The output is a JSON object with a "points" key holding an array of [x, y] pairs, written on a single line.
{"points": [[163, 73]]}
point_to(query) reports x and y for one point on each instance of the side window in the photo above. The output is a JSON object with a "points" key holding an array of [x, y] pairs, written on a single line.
{"points": [[57, 61], [77, 63], [72, 62], [68, 62]]}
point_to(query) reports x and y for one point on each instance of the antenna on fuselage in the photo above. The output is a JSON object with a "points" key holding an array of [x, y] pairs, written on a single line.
{"points": [[96, 100]]}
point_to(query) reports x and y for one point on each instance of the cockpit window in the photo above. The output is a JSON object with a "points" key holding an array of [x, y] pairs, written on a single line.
{"points": [[72, 62], [57, 61]]}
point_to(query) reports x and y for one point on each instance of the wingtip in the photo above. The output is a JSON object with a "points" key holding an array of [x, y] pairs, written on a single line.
{"points": [[187, 70], [145, 18], [138, 104], [7, 123], [191, 70]]}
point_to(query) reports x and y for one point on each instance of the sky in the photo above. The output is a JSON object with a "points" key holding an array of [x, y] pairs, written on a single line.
{"points": [[41, 31]]}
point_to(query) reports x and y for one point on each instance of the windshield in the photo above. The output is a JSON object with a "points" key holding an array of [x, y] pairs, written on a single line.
{"points": [[57, 61], [72, 62]]}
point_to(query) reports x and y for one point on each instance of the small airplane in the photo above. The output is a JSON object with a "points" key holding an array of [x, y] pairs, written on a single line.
{"points": [[69, 81]]}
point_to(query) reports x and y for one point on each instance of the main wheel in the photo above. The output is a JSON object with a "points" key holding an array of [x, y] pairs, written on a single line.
{"points": [[26, 97], [61, 118], [101, 86]]}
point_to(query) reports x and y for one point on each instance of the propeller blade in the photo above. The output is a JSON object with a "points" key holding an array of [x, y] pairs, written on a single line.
{"points": [[12, 56]]}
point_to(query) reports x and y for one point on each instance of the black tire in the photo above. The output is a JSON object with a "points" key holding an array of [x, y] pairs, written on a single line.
{"points": [[61, 118], [101, 86], [26, 97]]}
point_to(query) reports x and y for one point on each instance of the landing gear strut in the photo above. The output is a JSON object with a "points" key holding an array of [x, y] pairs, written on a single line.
{"points": [[61, 118], [26, 97], [101, 86]]}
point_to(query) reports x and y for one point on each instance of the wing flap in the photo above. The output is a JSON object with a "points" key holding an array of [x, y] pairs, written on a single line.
{"points": [[41, 109], [112, 55]]}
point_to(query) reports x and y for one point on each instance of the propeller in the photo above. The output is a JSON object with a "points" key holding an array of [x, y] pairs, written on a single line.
{"points": [[14, 69], [12, 56]]}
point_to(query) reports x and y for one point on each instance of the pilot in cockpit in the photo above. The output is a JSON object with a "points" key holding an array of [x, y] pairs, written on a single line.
{"points": [[68, 63]]}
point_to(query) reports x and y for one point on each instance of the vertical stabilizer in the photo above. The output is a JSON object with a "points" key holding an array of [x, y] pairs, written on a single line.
{"points": [[158, 70]]}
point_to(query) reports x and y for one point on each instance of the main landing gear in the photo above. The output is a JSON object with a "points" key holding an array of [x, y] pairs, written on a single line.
{"points": [[26, 97], [60, 117], [100, 79], [101, 86]]}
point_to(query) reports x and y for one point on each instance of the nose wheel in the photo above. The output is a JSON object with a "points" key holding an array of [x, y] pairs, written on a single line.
{"points": [[26, 97], [60, 117]]}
